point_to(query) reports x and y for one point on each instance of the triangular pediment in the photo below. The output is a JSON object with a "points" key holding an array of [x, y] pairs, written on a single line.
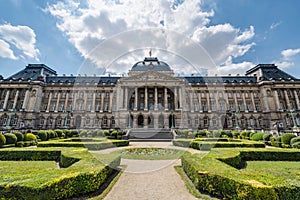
{"points": [[150, 76]]}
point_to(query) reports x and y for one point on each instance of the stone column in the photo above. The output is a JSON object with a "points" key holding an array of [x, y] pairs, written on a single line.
{"points": [[66, 101], [175, 98], [287, 99], [49, 102], [191, 100], [146, 99], [85, 93], [166, 98], [265, 96], [6, 99], [126, 99], [136, 99], [74, 100], [94, 101], [253, 102], [244, 102], [199, 103], [111, 94], [235, 101], [26, 99], [276, 100], [16, 99], [57, 102], [155, 98], [102, 102], [297, 99], [180, 97], [208, 102]]}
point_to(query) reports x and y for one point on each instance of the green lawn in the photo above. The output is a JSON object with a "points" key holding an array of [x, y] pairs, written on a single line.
{"points": [[274, 172]]}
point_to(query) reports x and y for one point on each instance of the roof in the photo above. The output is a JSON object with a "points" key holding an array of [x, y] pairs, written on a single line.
{"points": [[151, 63], [33, 72], [220, 79], [271, 72], [81, 79]]}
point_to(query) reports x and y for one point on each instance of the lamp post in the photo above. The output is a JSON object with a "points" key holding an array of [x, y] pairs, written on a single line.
{"points": [[10, 112], [67, 116], [129, 120], [236, 120], [293, 118], [172, 118]]}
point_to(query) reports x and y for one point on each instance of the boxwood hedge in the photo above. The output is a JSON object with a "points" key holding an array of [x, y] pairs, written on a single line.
{"points": [[85, 175], [210, 174]]}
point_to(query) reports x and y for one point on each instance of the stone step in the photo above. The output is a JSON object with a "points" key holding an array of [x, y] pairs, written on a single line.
{"points": [[146, 134]]}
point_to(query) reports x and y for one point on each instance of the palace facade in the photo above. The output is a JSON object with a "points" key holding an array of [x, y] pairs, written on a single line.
{"points": [[150, 96]]}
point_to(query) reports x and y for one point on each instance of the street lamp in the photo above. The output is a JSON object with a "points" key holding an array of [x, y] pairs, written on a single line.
{"points": [[172, 119], [10, 112], [129, 120], [293, 118], [66, 120]]}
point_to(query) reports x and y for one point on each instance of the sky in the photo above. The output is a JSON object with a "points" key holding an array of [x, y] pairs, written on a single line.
{"points": [[109, 36]]}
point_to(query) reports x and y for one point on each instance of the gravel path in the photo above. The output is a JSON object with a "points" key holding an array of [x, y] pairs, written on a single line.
{"points": [[149, 179]]}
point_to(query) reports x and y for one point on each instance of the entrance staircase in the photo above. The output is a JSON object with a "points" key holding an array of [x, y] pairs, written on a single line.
{"points": [[150, 135]]}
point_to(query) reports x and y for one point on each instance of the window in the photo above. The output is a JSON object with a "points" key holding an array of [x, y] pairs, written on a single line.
{"points": [[211, 95], [197, 121], [249, 107], [99, 94], [70, 107], [141, 106], [252, 122], [106, 107], [58, 121], [213, 106], [203, 94], [150, 95], [240, 106], [90, 95], [204, 108], [42, 121], [107, 94], [105, 120], [141, 95], [89, 107], [98, 107], [220, 94], [45, 107], [196, 107], [61, 107], [55, 94], [205, 121], [81, 95], [257, 106], [255, 94], [87, 121], [53, 106], [63, 95], [231, 106], [214, 121], [238, 95], [246, 95]]}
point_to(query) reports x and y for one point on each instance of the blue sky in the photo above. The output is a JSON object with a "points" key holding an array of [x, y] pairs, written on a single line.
{"points": [[97, 37]]}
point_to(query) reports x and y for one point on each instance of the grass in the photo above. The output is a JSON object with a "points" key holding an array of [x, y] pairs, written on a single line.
{"points": [[150, 153], [273, 172], [190, 186]]}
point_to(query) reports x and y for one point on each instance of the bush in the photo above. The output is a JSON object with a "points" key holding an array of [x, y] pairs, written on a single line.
{"points": [[10, 138], [2, 139], [43, 135], [266, 137], [106, 133], [235, 134], [20, 136], [295, 139], [83, 133], [114, 134], [30, 137], [201, 133], [51, 134], [286, 138], [276, 141], [59, 133], [296, 145], [257, 136], [216, 133]]}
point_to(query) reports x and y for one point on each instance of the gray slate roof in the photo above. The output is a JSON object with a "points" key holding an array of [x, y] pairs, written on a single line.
{"points": [[151, 63]]}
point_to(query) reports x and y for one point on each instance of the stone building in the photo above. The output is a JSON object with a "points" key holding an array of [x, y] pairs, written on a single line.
{"points": [[150, 96]]}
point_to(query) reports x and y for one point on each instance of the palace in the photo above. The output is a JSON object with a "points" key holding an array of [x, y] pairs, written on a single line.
{"points": [[150, 96]]}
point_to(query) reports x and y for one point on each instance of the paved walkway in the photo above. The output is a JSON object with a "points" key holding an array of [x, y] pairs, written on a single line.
{"points": [[149, 179]]}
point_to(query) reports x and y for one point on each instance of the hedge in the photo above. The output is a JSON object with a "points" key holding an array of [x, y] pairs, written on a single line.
{"points": [[85, 176], [90, 145], [295, 139], [286, 138], [211, 175], [201, 145], [2, 140], [10, 138]]}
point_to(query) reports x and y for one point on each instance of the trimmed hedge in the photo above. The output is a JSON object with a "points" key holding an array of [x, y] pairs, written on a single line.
{"points": [[30, 137], [2, 140], [90, 145], [211, 175], [200, 145], [85, 176], [296, 145], [10, 138], [295, 139], [257, 136], [286, 138], [43, 135], [20, 136]]}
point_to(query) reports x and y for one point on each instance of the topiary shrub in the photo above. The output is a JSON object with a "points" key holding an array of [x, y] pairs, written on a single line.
{"points": [[114, 134], [74, 133], [216, 133], [2, 140], [296, 145], [236, 134], [266, 137], [30, 137], [10, 138], [20, 136], [295, 139], [286, 138], [276, 141], [200, 133], [257, 136], [51, 134], [83, 133], [106, 133], [43, 135], [59, 132]]}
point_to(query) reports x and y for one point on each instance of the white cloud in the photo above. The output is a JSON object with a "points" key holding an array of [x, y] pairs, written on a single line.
{"points": [[235, 68], [285, 64], [22, 38], [275, 25], [288, 53], [102, 31], [5, 51]]}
